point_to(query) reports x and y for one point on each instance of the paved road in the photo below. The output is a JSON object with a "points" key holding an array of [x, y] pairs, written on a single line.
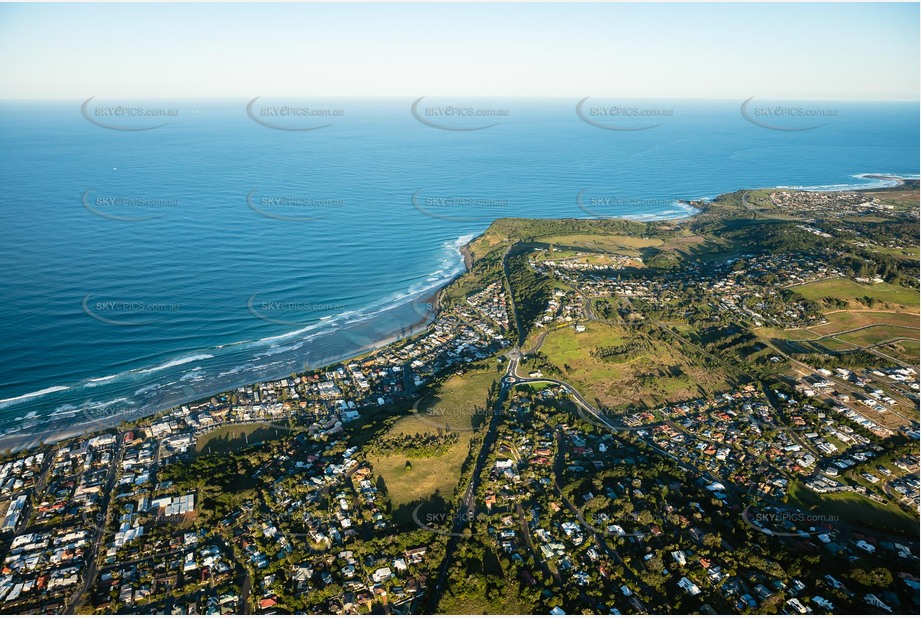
{"points": [[749, 206], [844, 386], [730, 487], [38, 490], [601, 544], [595, 414], [526, 531], [511, 296], [466, 509], [92, 555], [467, 506]]}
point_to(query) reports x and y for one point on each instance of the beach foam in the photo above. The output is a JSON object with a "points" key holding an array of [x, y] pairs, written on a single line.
{"points": [[45, 391]]}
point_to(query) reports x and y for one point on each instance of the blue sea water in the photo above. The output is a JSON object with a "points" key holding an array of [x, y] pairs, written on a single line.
{"points": [[145, 268]]}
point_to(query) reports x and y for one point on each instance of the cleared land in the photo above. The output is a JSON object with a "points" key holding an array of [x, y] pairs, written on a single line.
{"points": [[846, 289], [585, 257], [877, 334], [852, 329], [616, 245], [684, 243], [910, 253], [235, 437], [652, 373], [624, 245], [903, 198], [828, 343], [907, 351], [459, 405], [793, 334], [853, 509], [846, 320]]}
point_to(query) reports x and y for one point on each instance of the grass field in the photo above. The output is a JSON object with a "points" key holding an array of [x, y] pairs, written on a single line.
{"points": [[845, 320], [459, 404], [853, 508], [831, 343], [654, 374], [624, 245], [683, 242], [911, 253], [904, 199], [875, 334], [907, 350], [793, 334], [877, 326], [846, 289], [236, 437], [682, 327], [601, 259]]}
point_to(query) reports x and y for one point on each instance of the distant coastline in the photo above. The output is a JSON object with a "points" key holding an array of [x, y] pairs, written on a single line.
{"points": [[429, 301]]}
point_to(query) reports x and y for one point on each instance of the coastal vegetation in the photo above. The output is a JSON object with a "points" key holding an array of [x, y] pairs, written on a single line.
{"points": [[530, 291], [236, 437], [705, 335], [615, 366], [417, 446], [854, 509], [596, 243], [458, 405], [864, 295]]}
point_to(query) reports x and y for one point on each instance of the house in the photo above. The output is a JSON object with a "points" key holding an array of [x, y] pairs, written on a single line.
{"points": [[381, 575], [875, 601], [797, 606], [689, 586], [415, 556]]}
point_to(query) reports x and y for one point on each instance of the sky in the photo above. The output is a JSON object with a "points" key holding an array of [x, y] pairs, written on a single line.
{"points": [[833, 52]]}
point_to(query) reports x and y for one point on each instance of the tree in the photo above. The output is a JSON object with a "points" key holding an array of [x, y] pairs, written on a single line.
{"points": [[877, 578], [713, 540]]}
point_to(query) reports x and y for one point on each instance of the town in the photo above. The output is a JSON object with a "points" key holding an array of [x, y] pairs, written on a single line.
{"points": [[718, 415]]}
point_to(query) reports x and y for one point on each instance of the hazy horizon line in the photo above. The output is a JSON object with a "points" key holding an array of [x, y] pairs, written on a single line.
{"points": [[455, 96]]}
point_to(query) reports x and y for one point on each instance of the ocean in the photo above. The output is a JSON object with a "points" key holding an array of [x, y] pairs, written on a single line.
{"points": [[154, 252]]}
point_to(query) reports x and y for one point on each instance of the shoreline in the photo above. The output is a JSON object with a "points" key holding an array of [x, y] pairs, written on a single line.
{"points": [[27, 439], [19, 442], [898, 183]]}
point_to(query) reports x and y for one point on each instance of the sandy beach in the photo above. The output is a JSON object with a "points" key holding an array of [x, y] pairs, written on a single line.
{"points": [[409, 319]]}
